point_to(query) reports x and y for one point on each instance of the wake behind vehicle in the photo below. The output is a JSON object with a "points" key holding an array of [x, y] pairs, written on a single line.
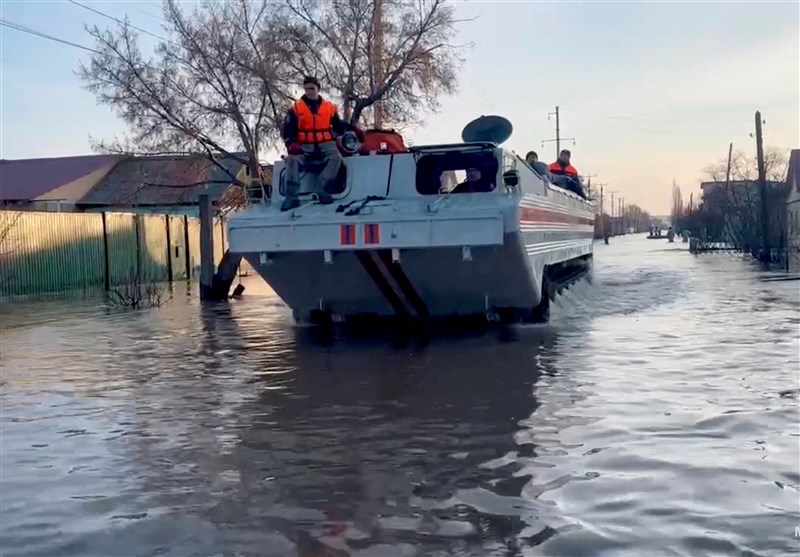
{"points": [[404, 240]]}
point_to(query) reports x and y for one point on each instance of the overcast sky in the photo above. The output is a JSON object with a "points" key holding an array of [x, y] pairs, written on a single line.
{"points": [[651, 91]]}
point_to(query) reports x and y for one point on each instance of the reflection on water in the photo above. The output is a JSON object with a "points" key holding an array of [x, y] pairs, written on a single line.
{"points": [[656, 415]]}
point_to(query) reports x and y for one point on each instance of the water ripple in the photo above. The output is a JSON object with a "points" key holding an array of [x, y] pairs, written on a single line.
{"points": [[655, 415]]}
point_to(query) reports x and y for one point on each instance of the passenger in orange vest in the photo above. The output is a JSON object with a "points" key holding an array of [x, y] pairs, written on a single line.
{"points": [[308, 131], [562, 167]]}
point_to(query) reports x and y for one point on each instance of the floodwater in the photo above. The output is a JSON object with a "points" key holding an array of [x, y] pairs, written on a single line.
{"points": [[656, 415]]}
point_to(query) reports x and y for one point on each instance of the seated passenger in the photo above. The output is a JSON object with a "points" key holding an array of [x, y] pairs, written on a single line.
{"points": [[308, 131], [473, 183], [542, 169], [562, 167]]}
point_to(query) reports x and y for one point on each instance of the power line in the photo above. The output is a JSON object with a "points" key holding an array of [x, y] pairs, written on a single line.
{"points": [[112, 18], [151, 15], [12, 25]]}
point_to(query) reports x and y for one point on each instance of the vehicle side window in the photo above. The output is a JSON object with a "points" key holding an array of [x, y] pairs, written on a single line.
{"points": [[456, 172]]}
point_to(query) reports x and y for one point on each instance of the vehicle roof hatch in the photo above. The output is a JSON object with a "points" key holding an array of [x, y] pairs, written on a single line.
{"points": [[487, 128]]}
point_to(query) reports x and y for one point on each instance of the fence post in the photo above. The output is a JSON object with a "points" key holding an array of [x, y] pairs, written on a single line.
{"points": [[106, 270], [186, 259], [137, 231], [169, 250], [206, 248]]}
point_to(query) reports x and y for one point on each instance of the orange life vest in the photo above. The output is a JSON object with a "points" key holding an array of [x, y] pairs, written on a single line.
{"points": [[311, 127], [569, 170]]}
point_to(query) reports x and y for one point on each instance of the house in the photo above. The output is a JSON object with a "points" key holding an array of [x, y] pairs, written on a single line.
{"points": [[162, 184], [793, 213], [119, 183], [51, 184]]}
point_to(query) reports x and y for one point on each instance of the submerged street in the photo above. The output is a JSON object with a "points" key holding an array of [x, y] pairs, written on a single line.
{"points": [[655, 415]]}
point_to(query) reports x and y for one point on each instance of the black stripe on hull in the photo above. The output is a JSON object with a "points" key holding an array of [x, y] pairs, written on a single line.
{"points": [[404, 283], [380, 281]]}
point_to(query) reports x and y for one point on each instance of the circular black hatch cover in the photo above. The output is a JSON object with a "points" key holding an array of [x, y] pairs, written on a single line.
{"points": [[487, 128]]}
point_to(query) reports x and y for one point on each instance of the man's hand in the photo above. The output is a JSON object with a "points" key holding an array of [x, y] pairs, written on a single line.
{"points": [[293, 148]]}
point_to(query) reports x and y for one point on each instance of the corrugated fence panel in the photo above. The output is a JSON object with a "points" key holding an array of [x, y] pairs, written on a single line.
{"points": [[55, 252], [49, 252], [177, 247], [194, 246], [154, 249], [122, 242]]}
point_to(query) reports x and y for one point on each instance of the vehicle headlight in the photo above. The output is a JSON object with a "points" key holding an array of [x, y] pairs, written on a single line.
{"points": [[350, 141]]}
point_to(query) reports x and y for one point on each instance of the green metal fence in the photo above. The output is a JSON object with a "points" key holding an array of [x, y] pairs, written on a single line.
{"points": [[42, 253]]}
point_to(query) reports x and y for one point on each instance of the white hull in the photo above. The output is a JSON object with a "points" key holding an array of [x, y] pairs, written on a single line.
{"points": [[414, 255]]}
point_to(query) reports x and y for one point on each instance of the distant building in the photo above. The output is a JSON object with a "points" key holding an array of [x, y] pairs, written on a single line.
{"points": [[161, 184], [116, 183], [793, 213], [52, 184], [732, 213]]}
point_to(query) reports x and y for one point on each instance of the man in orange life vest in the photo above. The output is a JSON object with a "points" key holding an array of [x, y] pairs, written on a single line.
{"points": [[562, 167], [308, 131]]}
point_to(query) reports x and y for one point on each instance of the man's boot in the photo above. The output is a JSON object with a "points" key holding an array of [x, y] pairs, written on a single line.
{"points": [[291, 200], [290, 203], [324, 198]]}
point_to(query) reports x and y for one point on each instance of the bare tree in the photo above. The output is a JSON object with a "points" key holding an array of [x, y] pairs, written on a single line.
{"points": [[397, 56], [745, 169], [637, 218], [677, 204], [217, 83], [738, 204]]}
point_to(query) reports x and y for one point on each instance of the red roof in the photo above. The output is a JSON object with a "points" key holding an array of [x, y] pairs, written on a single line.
{"points": [[26, 179]]}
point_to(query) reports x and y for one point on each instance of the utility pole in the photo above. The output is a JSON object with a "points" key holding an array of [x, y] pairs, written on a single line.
{"points": [[558, 133], [613, 228], [762, 188], [377, 52], [728, 169], [601, 200], [725, 207], [589, 184], [612, 204], [603, 221]]}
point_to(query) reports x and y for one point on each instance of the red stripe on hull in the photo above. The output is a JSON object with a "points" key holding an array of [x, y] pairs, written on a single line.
{"points": [[347, 235], [529, 214]]}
